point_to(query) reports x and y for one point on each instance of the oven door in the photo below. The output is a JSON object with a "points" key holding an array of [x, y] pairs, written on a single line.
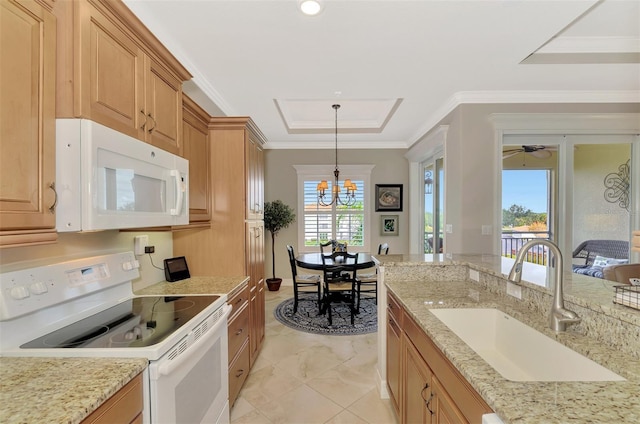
{"points": [[190, 384]]}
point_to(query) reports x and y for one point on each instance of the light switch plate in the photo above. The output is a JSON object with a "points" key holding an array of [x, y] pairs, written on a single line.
{"points": [[139, 243]]}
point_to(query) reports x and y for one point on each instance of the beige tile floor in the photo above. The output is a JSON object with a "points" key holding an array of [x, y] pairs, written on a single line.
{"points": [[302, 378]]}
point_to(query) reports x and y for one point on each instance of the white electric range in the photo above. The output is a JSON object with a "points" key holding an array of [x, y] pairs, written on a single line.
{"points": [[86, 307]]}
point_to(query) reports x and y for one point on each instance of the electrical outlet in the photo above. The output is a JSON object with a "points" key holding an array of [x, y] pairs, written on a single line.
{"points": [[448, 228], [514, 290], [487, 230], [139, 243], [474, 275]]}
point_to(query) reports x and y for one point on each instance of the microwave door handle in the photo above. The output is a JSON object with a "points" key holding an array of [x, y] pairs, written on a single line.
{"points": [[179, 193]]}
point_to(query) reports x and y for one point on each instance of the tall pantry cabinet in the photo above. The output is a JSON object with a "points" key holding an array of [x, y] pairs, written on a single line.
{"points": [[234, 244]]}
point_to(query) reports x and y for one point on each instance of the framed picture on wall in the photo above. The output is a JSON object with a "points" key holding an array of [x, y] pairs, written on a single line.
{"points": [[389, 225], [388, 197]]}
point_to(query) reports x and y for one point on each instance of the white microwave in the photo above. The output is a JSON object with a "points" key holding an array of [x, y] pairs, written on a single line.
{"points": [[108, 180]]}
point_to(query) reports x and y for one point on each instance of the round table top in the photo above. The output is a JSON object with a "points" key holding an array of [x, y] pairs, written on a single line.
{"points": [[314, 261]]}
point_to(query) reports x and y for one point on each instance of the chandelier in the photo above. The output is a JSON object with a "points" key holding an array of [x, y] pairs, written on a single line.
{"points": [[350, 197]]}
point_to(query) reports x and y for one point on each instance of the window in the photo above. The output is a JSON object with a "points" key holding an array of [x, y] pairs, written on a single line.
{"points": [[317, 223]]}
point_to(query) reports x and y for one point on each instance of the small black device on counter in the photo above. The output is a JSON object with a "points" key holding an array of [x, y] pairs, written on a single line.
{"points": [[176, 269]]}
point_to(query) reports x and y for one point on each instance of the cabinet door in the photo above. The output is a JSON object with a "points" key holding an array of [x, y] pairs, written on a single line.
{"points": [[195, 142], [255, 269], [444, 408], [394, 356], [111, 89], [255, 179], [163, 107], [27, 122], [417, 407]]}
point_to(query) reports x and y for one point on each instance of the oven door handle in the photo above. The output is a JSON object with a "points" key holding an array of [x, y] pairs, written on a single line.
{"points": [[167, 367]]}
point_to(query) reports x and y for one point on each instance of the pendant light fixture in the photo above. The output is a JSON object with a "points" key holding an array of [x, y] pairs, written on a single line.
{"points": [[350, 197]]}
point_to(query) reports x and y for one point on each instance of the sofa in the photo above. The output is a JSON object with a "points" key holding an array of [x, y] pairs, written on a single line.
{"points": [[592, 256]]}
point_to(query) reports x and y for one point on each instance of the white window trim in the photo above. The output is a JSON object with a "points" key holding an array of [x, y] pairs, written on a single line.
{"points": [[324, 172]]}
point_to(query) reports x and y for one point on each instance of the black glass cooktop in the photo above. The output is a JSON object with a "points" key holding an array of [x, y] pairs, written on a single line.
{"points": [[137, 322]]}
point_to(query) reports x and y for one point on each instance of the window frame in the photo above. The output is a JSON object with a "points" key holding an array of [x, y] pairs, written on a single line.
{"points": [[323, 172]]}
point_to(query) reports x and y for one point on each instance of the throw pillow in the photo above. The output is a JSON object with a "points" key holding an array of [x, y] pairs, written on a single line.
{"points": [[602, 261]]}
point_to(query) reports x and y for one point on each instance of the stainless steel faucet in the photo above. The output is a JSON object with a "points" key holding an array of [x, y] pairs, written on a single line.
{"points": [[559, 317]]}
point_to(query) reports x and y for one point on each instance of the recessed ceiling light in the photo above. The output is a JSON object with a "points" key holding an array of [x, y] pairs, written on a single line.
{"points": [[310, 7]]}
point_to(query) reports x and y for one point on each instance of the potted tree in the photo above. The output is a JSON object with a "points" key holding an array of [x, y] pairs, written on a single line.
{"points": [[277, 216]]}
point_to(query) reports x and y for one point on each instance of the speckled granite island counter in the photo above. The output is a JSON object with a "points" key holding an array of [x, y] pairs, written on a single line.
{"points": [[60, 390], [196, 285], [608, 334]]}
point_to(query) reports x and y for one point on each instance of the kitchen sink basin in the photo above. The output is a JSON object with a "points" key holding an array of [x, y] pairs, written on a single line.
{"points": [[517, 351]]}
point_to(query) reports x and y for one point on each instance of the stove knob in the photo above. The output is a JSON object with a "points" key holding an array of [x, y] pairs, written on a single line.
{"points": [[19, 292], [38, 288]]}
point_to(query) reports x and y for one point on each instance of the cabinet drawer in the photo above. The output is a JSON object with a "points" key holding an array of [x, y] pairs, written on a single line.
{"points": [[238, 372], [238, 330], [393, 309], [237, 301]]}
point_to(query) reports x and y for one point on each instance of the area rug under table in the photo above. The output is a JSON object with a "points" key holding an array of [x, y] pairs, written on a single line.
{"points": [[307, 319]]}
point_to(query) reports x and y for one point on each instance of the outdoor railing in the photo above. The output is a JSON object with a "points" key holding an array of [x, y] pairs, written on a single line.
{"points": [[512, 242]]}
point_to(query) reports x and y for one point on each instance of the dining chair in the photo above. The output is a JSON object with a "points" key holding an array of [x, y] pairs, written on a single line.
{"points": [[368, 283], [329, 243], [339, 282], [305, 284]]}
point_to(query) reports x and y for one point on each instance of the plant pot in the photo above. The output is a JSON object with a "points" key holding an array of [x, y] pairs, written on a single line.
{"points": [[273, 284]]}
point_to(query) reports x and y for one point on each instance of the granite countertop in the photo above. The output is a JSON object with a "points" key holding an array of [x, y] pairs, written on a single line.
{"points": [[524, 402], [196, 285], [60, 390], [593, 293]]}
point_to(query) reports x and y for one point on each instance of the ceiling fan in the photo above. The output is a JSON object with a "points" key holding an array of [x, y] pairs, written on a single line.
{"points": [[538, 151]]}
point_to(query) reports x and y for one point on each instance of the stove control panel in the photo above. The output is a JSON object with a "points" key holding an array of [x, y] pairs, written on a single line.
{"points": [[33, 289]]}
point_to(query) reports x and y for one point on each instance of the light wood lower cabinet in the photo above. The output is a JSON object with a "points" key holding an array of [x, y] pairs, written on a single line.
{"points": [[27, 123], [125, 406], [238, 329], [394, 350], [431, 390]]}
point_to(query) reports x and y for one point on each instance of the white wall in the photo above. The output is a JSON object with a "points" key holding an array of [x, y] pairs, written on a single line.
{"points": [[76, 245], [473, 195]]}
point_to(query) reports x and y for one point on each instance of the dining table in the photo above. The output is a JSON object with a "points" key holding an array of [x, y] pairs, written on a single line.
{"points": [[313, 260]]}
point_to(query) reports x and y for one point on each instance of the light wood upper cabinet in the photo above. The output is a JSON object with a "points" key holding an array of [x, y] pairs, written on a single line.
{"points": [[27, 123], [113, 71], [196, 149], [255, 178]]}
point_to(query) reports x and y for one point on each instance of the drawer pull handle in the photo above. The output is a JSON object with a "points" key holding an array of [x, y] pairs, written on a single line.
{"points": [[238, 301], [426, 401], [239, 332], [144, 123], [150, 130], [239, 373], [52, 208]]}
